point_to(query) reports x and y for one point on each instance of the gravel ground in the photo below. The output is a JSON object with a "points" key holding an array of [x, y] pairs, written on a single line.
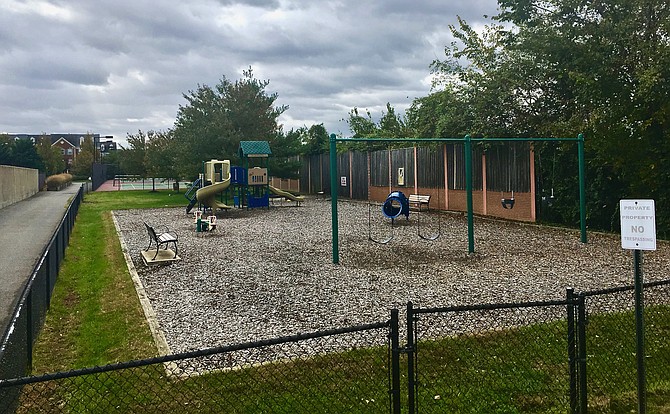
{"points": [[267, 273]]}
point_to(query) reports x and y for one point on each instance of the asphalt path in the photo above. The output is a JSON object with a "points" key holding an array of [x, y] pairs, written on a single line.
{"points": [[26, 228]]}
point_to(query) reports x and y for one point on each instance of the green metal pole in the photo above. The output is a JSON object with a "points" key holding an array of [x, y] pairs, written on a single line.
{"points": [[333, 197], [468, 193], [582, 187]]}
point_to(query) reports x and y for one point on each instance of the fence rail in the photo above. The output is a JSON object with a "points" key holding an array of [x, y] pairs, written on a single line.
{"points": [[509, 357]]}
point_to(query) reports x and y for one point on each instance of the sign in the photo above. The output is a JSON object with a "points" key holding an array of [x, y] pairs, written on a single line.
{"points": [[257, 176], [638, 224], [343, 181], [401, 176]]}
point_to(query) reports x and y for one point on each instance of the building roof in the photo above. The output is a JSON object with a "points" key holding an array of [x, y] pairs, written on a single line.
{"points": [[254, 148], [74, 139], [65, 141]]}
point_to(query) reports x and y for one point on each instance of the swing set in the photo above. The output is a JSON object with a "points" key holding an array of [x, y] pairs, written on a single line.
{"points": [[467, 141]]}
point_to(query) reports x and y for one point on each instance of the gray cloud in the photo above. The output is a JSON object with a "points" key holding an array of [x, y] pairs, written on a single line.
{"points": [[117, 67]]}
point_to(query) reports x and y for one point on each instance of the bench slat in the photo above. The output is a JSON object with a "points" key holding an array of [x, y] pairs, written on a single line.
{"points": [[416, 198]]}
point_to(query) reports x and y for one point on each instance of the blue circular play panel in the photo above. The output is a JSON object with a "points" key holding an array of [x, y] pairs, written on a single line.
{"points": [[396, 204]]}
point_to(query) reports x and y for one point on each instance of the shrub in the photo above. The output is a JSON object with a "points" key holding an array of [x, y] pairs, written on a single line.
{"points": [[58, 181]]}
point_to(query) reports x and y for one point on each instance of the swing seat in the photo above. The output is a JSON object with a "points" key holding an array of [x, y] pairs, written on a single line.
{"points": [[507, 203]]}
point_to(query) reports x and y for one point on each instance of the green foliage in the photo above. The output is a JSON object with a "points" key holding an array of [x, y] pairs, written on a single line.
{"points": [[391, 125], [558, 68], [82, 166], [315, 139], [284, 162], [51, 156], [215, 120], [19, 153], [5, 149], [160, 158], [132, 159]]}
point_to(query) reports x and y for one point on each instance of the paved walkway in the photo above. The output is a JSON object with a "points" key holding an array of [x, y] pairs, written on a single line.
{"points": [[25, 230]]}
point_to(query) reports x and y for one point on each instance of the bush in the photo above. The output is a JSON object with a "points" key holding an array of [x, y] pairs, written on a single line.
{"points": [[58, 181]]}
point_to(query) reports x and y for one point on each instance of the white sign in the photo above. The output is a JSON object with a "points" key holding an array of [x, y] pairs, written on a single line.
{"points": [[343, 181], [638, 224]]}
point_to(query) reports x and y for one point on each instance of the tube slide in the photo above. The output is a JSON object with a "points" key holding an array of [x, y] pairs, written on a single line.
{"points": [[207, 195], [285, 194], [395, 205]]}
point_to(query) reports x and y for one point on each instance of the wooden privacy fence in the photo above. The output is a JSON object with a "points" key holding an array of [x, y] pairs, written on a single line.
{"points": [[500, 171]]}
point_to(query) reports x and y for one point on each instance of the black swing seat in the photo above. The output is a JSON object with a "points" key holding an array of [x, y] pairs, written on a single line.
{"points": [[161, 239], [507, 203]]}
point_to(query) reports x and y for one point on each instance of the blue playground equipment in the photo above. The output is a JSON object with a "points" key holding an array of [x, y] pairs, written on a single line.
{"points": [[247, 185], [396, 204]]}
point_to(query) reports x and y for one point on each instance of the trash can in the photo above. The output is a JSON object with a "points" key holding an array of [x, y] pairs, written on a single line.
{"points": [[175, 186]]}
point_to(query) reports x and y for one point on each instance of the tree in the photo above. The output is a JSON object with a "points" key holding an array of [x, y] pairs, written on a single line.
{"points": [[51, 156], [215, 120], [132, 159], [560, 67], [24, 154], [159, 157], [286, 148], [315, 139], [390, 125], [6, 144], [82, 166]]}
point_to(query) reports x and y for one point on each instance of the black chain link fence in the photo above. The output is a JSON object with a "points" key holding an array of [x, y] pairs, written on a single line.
{"points": [[338, 371], [491, 358], [16, 346], [611, 363], [553, 356]]}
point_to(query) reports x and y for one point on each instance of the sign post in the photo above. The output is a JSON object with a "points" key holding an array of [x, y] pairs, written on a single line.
{"points": [[638, 232]]}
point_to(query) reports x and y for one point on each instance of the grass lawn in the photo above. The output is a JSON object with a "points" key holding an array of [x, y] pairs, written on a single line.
{"points": [[95, 319]]}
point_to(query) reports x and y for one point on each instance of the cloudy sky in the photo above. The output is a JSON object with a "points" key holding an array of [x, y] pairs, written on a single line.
{"points": [[116, 67]]}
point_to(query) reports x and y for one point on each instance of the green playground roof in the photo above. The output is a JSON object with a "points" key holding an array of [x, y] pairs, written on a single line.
{"points": [[251, 148]]}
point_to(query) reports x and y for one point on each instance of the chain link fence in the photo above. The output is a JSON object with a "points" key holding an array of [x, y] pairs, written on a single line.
{"points": [[343, 370], [491, 358], [16, 344], [553, 357], [610, 345]]}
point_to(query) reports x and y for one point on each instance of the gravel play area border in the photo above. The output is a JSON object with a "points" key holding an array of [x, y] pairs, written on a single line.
{"points": [[265, 273]]}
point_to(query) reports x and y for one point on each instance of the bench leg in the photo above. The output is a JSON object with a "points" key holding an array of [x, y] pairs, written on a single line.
{"points": [[157, 249]]}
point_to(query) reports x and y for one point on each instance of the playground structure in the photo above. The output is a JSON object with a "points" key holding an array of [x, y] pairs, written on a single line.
{"points": [[507, 203], [245, 186]]}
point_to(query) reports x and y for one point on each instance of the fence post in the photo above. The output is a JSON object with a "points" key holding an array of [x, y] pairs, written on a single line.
{"points": [[395, 362], [572, 351], [29, 329], [47, 275], [409, 348], [581, 346]]}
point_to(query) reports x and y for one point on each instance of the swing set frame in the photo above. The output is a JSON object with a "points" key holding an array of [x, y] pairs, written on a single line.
{"points": [[467, 148]]}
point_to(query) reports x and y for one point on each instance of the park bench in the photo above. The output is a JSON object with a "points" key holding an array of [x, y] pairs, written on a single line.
{"points": [[161, 238], [419, 200]]}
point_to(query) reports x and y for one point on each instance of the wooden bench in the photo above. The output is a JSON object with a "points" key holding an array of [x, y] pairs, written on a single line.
{"points": [[161, 238], [420, 200]]}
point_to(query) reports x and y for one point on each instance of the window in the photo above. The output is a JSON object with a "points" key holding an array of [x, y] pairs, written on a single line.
{"points": [[69, 151], [62, 151]]}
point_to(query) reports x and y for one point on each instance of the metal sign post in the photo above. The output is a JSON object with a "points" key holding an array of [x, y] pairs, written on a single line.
{"points": [[638, 232]]}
